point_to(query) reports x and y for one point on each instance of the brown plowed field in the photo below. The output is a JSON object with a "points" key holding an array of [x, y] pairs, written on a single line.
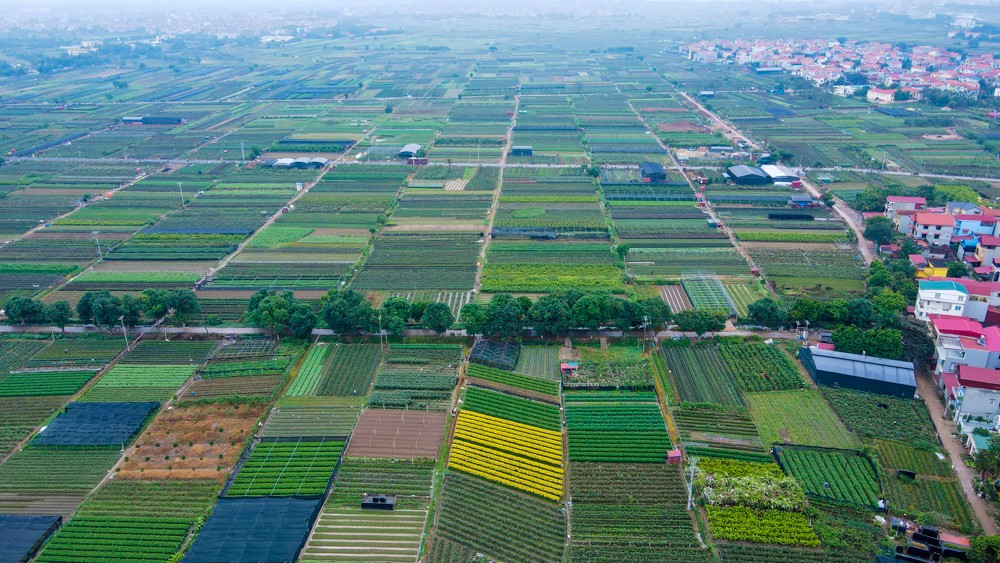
{"points": [[192, 442], [675, 297], [397, 434]]}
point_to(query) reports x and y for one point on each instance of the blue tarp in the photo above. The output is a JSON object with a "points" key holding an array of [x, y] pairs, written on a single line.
{"points": [[254, 530], [95, 424]]}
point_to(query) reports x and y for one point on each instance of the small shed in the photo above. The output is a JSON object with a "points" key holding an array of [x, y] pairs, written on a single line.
{"points": [[379, 502], [860, 372], [410, 150], [653, 171], [674, 457], [802, 201], [569, 368], [522, 150]]}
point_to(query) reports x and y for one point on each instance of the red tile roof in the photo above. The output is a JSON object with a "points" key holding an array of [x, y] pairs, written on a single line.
{"points": [[950, 382], [971, 217], [917, 259], [956, 326], [989, 240], [906, 199], [935, 219], [979, 378]]}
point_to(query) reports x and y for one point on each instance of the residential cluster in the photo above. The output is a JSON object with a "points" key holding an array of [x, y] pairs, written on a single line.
{"points": [[963, 314], [824, 62]]}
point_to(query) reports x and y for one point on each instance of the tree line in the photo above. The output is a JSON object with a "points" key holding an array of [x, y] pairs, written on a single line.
{"points": [[105, 310]]}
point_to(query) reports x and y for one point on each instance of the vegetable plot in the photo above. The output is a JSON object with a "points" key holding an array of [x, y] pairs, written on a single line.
{"points": [[302, 468], [520, 456], [737, 523], [834, 475]]}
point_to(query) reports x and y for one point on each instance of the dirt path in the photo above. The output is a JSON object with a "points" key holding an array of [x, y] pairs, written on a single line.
{"points": [[481, 263], [840, 208], [729, 130], [927, 389], [708, 206], [850, 217]]}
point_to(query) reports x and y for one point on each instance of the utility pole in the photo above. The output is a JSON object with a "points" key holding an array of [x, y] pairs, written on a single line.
{"points": [[121, 319], [180, 186], [243, 155], [694, 462], [380, 330], [98, 242]]}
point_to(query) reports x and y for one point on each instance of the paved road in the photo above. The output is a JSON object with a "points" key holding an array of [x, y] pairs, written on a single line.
{"points": [[927, 389], [901, 173]]}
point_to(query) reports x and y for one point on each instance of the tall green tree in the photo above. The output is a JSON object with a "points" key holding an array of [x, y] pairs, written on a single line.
{"points": [[657, 311], [85, 306], [984, 549], [699, 322], [505, 316], [154, 303], [397, 307], [24, 310], [59, 314], [628, 314], [888, 304], [593, 310], [957, 270], [348, 311], [878, 276], [302, 320], [474, 318], [550, 315], [767, 312], [273, 312], [438, 317], [879, 230], [184, 304], [131, 310]]}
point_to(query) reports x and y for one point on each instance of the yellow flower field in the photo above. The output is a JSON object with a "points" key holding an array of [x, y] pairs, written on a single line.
{"points": [[517, 455]]}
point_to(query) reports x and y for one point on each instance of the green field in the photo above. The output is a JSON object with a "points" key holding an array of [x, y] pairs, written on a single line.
{"points": [[800, 417]]}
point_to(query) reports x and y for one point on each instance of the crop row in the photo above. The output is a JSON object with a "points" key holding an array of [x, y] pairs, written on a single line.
{"points": [[512, 408], [311, 372], [842, 476], [300, 468], [516, 380], [46, 383], [760, 367], [513, 454]]}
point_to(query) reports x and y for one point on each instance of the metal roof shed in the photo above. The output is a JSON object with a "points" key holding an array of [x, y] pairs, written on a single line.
{"points": [[747, 175], [409, 151], [653, 171], [856, 371]]}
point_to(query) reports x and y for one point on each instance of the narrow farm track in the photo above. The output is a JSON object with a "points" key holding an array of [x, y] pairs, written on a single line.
{"points": [[840, 208], [708, 207], [270, 221], [488, 237], [928, 390]]}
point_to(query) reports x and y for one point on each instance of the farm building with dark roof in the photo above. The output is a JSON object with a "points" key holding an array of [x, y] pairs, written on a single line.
{"points": [[860, 372], [745, 175], [653, 171]]}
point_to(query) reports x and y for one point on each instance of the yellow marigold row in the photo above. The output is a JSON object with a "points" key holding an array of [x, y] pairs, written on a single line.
{"points": [[511, 471], [504, 442], [541, 471], [511, 436]]}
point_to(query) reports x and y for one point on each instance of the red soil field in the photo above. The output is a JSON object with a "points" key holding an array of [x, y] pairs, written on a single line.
{"points": [[397, 434]]}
